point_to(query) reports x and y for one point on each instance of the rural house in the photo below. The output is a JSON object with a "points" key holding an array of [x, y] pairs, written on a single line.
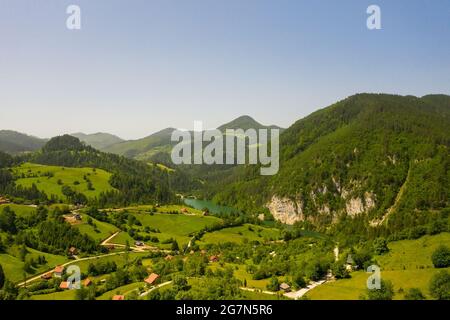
{"points": [[64, 285], [285, 287], [168, 257], [46, 276], [118, 297], [151, 280], [58, 271], [3, 200], [72, 251], [213, 259], [87, 282]]}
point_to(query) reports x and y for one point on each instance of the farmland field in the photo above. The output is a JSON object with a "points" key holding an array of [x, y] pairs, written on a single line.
{"points": [[59, 295], [241, 274], [168, 208], [176, 226], [122, 238], [98, 230], [50, 179], [123, 290], [13, 266], [412, 254], [119, 259], [19, 209], [256, 295], [242, 233], [407, 265]]}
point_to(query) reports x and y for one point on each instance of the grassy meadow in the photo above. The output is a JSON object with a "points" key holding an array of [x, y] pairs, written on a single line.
{"points": [[241, 234], [50, 179], [407, 265], [175, 226], [19, 209], [98, 230], [123, 290], [13, 266]]}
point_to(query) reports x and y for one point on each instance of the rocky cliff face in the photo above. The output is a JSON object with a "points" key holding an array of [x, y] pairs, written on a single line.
{"points": [[285, 210], [289, 211]]}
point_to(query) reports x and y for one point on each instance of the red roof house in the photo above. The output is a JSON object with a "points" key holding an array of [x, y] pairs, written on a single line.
{"points": [[168, 257], [87, 282], [213, 258], [64, 285], [152, 279], [46, 276], [58, 271]]}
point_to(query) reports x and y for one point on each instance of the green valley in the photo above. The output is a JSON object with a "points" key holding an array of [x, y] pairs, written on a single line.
{"points": [[364, 182]]}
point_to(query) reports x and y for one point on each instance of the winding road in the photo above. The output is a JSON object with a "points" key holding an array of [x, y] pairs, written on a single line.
{"points": [[34, 278]]}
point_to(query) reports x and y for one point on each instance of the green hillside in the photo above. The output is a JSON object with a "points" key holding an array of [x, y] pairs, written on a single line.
{"points": [[15, 142], [97, 230], [98, 140], [158, 141], [151, 147], [136, 181], [163, 225], [355, 157], [407, 265], [51, 179], [240, 234], [13, 266], [20, 210]]}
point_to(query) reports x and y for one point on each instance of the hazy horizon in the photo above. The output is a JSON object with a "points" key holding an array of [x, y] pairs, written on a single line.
{"points": [[186, 127], [138, 67]]}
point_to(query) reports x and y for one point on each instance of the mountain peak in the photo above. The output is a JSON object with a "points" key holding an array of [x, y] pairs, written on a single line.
{"points": [[64, 142], [245, 122], [98, 140]]}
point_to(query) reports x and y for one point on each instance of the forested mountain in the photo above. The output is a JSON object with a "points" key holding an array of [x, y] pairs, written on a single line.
{"points": [[15, 142], [245, 122], [145, 147], [136, 182], [157, 147], [373, 159], [98, 140]]}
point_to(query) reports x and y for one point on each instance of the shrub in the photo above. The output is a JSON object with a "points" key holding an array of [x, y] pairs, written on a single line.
{"points": [[380, 246], [441, 257], [414, 294], [440, 285], [273, 285], [386, 292]]}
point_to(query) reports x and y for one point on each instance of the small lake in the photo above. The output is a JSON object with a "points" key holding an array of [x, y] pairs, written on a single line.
{"points": [[211, 206]]}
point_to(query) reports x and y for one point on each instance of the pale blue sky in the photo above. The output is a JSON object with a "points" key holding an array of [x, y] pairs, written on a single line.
{"points": [[136, 67]]}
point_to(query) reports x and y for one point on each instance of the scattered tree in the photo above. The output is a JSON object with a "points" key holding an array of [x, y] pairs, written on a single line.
{"points": [[386, 292], [440, 285], [441, 257], [414, 294]]}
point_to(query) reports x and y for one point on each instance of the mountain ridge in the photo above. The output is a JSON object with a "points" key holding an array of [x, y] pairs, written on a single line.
{"points": [[349, 161], [16, 142], [98, 140]]}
